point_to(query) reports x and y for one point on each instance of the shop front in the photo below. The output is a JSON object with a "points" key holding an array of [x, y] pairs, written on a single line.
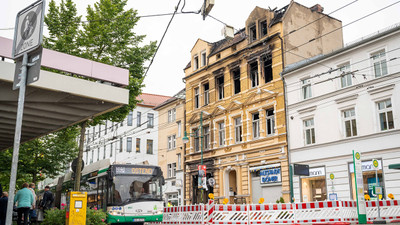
{"points": [[313, 187], [369, 179], [266, 182]]}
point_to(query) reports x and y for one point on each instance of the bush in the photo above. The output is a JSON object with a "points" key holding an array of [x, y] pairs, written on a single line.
{"points": [[57, 217], [281, 200]]}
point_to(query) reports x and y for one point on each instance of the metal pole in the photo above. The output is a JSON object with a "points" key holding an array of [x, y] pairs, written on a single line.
{"points": [[78, 173], [291, 183], [201, 151], [377, 195], [17, 139]]}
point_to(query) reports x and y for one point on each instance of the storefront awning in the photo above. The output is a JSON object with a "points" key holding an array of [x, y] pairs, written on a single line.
{"points": [[258, 168], [395, 166]]}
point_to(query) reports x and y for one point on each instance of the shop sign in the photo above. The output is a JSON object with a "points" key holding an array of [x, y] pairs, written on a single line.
{"points": [[316, 172], [366, 166], [269, 176]]}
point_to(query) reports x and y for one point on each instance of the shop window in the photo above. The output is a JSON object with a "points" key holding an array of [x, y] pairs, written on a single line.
{"points": [[206, 94], [254, 74], [220, 87], [253, 33], [378, 60], [256, 125], [313, 187], [196, 98], [306, 88], [236, 81], [221, 133], [267, 62], [206, 135], [369, 180], [385, 115], [350, 126], [195, 62], [238, 130], [270, 121], [263, 28], [345, 75], [309, 132]]}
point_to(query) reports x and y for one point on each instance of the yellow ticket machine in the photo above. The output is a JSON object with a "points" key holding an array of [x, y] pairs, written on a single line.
{"points": [[76, 208]]}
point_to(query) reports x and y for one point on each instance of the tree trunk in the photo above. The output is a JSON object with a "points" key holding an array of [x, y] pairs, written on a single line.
{"points": [[77, 186], [34, 177]]}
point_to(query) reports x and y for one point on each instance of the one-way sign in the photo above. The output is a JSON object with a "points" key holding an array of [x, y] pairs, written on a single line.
{"points": [[28, 29]]}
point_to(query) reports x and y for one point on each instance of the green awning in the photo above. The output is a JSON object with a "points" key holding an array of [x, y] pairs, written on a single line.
{"points": [[395, 166]]}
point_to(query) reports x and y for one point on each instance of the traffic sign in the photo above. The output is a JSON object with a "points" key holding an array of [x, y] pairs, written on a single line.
{"points": [[28, 31], [34, 63], [331, 176], [375, 163]]}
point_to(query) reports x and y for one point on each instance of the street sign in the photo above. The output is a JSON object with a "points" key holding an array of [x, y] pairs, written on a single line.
{"points": [[333, 197], [34, 61], [331, 176], [301, 170], [28, 31], [377, 190], [361, 205], [375, 163]]}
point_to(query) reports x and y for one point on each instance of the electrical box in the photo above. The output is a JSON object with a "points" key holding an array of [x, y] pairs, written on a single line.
{"points": [[76, 208]]}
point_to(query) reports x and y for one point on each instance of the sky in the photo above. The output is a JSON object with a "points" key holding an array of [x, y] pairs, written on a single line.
{"points": [[165, 74]]}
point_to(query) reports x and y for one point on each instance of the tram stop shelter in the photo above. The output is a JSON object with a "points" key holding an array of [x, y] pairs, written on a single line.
{"points": [[56, 100]]}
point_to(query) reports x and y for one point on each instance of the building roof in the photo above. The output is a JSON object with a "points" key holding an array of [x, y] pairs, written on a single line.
{"points": [[180, 95], [151, 100], [225, 43]]}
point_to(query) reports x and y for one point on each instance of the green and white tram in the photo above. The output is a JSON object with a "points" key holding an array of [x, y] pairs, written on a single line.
{"points": [[128, 193]]}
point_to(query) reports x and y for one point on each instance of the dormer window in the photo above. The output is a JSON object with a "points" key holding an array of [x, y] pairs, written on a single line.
{"points": [[195, 62], [263, 28], [203, 58], [253, 33]]}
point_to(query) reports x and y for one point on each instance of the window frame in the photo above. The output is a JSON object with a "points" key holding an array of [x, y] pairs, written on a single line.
{"points": [[306, 86], [270, 122], [385, 111], [196, 92], [262, 33], [347, 79], [137, 145], [236, 80], [221, 134], [255, 125], [129, 119], [150, 143], [312, 131], [196, 63], [206, 94], [129, 144], [252, 33], [150, 120], [267, 63], [253, 74], [352, 118], [220, 87], [203, 58], [138, 119], [238, 129], [206, 137], [382, 60]]}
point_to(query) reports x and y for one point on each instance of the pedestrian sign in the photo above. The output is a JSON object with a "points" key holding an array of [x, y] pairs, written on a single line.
{"points": [[331, 176]]}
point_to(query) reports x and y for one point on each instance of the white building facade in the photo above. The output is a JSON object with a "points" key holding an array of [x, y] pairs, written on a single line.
{"points": [[343, 101], [133, 140]]}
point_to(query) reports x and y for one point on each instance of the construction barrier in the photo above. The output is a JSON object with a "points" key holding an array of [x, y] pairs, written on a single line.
{"points": [[285, 213]]}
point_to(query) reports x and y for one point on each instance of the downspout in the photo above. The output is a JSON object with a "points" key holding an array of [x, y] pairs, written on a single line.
{"points": [[286, 121]]}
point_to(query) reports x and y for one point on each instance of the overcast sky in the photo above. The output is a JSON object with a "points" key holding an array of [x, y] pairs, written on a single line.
{"points": [[166, 73]]}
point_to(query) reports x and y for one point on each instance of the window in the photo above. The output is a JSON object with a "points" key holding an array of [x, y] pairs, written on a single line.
{"points": [[196, 98], [270, 121], [150, 119], [196, 140], [220, 87], [179, 128], [99, 134], [94, 133], [139, 119], [179, 161], [349, 117], [120, 145], [253, 33], [385, 115], [263, 28], [87, 155], [105, 130], [309, 133], [254, 74], [256, 125], [138, 145], [238, 130], [206, 135], [203, 58], [171, 142], [218, 56], [221, 132], [306, 88], [130, 115], [91, 160], [128, 144], [267, 64], [98, 154], [104, 152], [171, 115], [87, 137], [111, 149], [171, 170], [345, 75], [149, 146], [236, 80], [379, 62], [195, 62], [206, 88]]}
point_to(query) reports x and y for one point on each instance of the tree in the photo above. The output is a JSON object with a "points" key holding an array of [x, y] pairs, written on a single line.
{"points": [[108, 36], [47, 155]]}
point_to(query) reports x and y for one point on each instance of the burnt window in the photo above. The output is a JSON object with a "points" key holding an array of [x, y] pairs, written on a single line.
{"points": [[263, 28], [195, 62], [268, 69], [254, 74], [236, 80], [253, 33], [220, 87], [206, 93], [196, 98]]}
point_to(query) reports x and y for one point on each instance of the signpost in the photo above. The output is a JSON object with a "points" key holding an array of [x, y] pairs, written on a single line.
{"points": [[333, 195], [28, 35], [358, 177], [377, 191]]}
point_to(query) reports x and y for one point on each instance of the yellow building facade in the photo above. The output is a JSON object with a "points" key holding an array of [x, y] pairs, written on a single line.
{"points": [[235, 106]]}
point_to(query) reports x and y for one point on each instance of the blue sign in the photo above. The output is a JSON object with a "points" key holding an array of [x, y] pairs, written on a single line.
{"points": [[272, 175]]}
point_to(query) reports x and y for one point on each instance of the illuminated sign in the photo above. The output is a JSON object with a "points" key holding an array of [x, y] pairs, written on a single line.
{"points": [[124, 170], [272, 175]]}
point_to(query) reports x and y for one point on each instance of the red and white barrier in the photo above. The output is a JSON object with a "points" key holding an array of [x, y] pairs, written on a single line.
{"points": [[271, 213], [389, 210], [230, 214]]}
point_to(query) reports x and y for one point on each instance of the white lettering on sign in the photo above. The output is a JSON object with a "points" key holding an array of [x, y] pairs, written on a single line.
{"points": [[270, 176], [366, 166], [316, 172]]}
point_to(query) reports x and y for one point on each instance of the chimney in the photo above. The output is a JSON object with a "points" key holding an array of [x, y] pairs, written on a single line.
{"points": [[317, 8]]}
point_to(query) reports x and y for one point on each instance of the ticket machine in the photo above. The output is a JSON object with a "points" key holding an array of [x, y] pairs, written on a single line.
{"points": [[76, 208]]}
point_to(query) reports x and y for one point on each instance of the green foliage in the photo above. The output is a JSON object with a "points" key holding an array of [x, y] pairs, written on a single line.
{"points": [[94, 217], [280, 200], [54, 217], [46, 155]]}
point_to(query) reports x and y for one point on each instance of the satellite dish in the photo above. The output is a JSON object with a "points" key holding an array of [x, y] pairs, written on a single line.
{"points": [[211, 182]]}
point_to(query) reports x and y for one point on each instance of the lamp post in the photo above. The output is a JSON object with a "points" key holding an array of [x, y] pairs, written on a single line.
{"points": [[185, 140]]}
